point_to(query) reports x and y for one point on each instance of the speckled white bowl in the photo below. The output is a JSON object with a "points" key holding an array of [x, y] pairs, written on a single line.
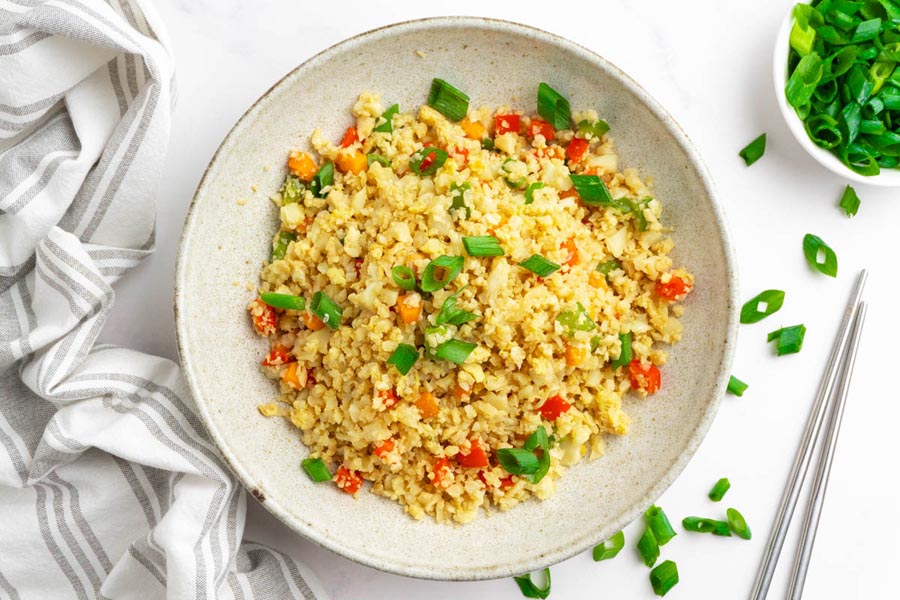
{"points": [[223, 243]]}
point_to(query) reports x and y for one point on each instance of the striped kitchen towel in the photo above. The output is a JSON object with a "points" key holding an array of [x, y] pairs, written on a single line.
{"points": [[109, 487]]}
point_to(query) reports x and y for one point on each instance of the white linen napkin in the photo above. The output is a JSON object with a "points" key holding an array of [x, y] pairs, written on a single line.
{"points": [[109, 487]]}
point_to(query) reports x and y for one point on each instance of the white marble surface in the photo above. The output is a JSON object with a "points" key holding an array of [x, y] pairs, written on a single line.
{"points": [[709, 63]]}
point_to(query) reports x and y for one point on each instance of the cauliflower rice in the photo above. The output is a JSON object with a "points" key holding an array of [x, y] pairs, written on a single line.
{"points": [[547, 350]]}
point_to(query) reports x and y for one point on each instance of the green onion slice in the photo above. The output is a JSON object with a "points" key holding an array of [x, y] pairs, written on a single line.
{"points": [[487, 143], [736, 386], [316, 469], [482, 245], [280, 245], [528, 587], [386, 118], [658, 522], [377, 158], [449, 313], [607, 267], [595, 129], [788, 340], [426, 161], [718, 491], [648, 548], [404, 357], [291, 189], [553, 107], [753, 151], [457, 198], [592, 190], [529, 193], [539, 443], [447, 100], [849, 201], [456, 351], [518, 461], [285, 301], [323, 178], [738, 524], [441, 271], [761, 306], [576, 320], [610, 548], [664, 577], [819, 255], [326, 309], [507, 167], [539, 265], [404, 277], [701, 525], [625, 353]]}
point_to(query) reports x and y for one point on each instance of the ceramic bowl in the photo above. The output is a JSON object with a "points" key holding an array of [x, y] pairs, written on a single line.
{"points": [[886, 178], [224, 244]]}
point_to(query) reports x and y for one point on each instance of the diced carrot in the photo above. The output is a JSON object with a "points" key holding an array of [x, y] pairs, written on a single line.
{"points": [[427, 405], [597, 280], [351, 136], [312, 321], [572, 258], [278, 355], [570, 193], [506, 124], [476, 458], [302, 165], [351, 162], [439, 471], [409, 307], [575, 355], [347, 480], [460, 393], [576, 149], [675, 289], [553, 407], [388, 397], [382, 448], [293, 377], [541, 127], [473, 129], [644, 378], [263, 317]]}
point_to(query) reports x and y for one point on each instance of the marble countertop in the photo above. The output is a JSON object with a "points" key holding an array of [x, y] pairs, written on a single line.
{"points": [[709, 63]]}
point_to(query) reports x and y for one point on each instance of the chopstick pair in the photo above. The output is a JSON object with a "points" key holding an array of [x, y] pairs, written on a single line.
{"points": [[838, 372]]}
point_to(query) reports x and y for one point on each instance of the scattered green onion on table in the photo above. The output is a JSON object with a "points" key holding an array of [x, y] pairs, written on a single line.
{"points": [[788, 340], [530, 589], [761, 306], [736, 386], [719, 490], [819, 255], [610, 548]]}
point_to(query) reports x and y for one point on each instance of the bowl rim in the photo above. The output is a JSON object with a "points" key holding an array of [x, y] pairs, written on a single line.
{"points": [[590, 537], [886, 178]]}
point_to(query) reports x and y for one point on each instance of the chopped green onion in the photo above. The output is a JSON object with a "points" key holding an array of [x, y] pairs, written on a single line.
{"points": [[456, 351], [539, 265], [648, 548], [761, 306], [610, 548], [280, 245], [387, 116], [517, 183], [701, 525], [448, 100], [664, 577], [529, 193], [849, 201], [539, 443], [285, 301], [457, 198], [450, 314], [529, 589], [326, 309], [553, 107], [813, 247], [753, 151], [576, 320], [441, 271], [404, 357], [625, 354], [291, 189], [404, 277], [482, 245], [377, 158], [736, 386], [595, 129], [658, 522], [738, 524], [487, 143], [718, 491], [607, 267], [866, 30], [323, 178], [426, 161], [518, 461], [789, 340], [316, 469], [592, 190]]}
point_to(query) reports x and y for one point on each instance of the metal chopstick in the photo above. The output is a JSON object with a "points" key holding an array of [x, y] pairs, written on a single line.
{"points": [[817, 496], [805, 451]]}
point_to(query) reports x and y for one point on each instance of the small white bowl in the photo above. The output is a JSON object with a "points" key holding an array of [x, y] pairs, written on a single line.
{"points": [[886, 178]]}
